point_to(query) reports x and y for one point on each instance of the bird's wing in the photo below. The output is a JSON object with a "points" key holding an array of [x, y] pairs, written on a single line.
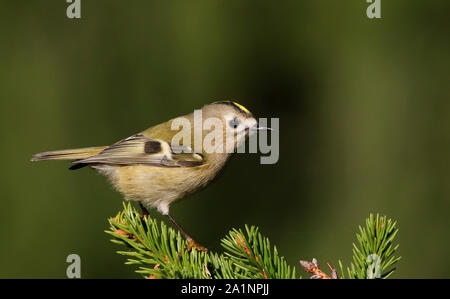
{"points": [[140, 149]]}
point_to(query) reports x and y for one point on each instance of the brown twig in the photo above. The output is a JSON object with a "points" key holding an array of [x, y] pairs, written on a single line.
{"points": [[240, 242], [313, 268]]}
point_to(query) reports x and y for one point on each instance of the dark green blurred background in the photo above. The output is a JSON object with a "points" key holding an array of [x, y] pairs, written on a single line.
{"points": [[363, 104]]}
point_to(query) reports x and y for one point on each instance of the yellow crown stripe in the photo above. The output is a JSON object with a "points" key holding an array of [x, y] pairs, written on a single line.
{"points": [[241, 107]]}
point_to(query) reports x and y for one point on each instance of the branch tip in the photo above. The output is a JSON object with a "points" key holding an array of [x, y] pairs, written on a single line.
{"points": [[313, 268]]}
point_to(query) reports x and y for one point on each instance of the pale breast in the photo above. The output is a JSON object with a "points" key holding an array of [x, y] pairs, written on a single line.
{"points": [[157, 185]]}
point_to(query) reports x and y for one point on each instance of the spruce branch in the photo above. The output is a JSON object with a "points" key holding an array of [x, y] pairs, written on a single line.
{"points": [[375, 255], [253, 253], [159, 251]]}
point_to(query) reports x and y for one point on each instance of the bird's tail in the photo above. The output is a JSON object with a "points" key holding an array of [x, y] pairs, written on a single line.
{"points": [[69, 154]]}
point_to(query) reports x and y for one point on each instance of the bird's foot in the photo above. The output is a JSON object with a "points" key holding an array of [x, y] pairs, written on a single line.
{"points": [[193, 244], [145, 213]]}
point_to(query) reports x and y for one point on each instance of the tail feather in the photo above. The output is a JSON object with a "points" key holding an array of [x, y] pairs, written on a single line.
{"points": [[69, 154]]}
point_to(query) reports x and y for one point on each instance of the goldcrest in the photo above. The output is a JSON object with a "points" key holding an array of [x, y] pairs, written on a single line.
{"points": [[167, 162]]}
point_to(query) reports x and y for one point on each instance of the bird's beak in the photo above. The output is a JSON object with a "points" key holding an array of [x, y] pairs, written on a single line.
{"points": [[258, 128]]}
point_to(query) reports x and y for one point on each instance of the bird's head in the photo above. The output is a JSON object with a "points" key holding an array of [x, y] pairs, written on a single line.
{"points": [[236, 122]]}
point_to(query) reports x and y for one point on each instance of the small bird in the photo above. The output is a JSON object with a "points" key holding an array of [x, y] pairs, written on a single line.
{"points": [[149, 168]]}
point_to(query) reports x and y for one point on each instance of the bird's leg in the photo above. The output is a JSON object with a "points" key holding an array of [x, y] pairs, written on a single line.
{"points": [[191, 242], [144, 211]]}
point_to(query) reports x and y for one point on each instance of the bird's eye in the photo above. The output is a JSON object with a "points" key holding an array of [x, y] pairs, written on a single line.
{"points": [[234, 123]]}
